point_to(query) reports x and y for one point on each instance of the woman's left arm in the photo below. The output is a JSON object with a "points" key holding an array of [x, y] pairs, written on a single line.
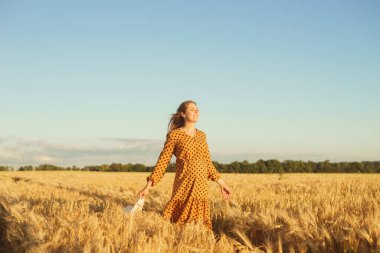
{"points": [[214, 174], [226, 192]]}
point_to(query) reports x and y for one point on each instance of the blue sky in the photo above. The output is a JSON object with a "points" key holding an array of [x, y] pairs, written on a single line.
{"points": [[92, 82]]}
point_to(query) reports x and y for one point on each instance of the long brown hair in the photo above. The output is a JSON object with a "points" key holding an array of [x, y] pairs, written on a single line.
{"points": [[176, 119]]}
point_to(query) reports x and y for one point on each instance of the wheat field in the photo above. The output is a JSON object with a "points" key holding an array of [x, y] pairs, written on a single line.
{"points": [[78, 211]]}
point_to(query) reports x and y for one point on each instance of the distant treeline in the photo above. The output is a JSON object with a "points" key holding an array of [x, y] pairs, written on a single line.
{"points": [[261, 166]]}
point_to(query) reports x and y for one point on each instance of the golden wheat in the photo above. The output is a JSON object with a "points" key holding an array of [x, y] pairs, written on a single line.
{"points": [[83, 212]]}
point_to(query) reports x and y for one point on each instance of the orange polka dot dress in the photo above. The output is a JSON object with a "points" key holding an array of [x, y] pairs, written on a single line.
{"points": [[190, 194]]}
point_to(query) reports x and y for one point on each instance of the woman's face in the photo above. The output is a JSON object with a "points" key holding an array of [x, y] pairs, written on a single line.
{"points": [[192, 113]]}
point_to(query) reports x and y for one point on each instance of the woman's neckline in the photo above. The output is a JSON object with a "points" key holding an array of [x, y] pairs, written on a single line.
{"points": [[183, 131]]}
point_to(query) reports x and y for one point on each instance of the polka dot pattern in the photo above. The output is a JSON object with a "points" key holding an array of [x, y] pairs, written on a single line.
{"points": [[190, 195]]}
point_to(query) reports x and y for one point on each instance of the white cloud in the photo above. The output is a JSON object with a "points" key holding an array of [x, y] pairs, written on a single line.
{"points": [[16, 151], [44, 159]]}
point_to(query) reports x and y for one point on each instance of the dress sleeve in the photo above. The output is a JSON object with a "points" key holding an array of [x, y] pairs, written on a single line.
{"points": [[163, 160], [213, 174]]}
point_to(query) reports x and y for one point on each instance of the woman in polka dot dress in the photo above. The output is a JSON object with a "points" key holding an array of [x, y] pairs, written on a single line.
{"points": [[190, 196]]}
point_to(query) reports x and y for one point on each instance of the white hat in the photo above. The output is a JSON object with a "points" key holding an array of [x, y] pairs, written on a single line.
{"points": [[138, 206]]}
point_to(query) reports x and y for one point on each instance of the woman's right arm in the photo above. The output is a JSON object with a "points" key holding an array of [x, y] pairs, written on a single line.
{"points": [[163, 160], [145, 190], [161, 164]]}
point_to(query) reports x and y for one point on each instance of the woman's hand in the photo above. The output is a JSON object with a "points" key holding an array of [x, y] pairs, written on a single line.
{"points": [[226, 192], [145, 190]]}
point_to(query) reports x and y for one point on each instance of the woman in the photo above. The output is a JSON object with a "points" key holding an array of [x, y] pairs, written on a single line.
{"points": [[190, 195]]}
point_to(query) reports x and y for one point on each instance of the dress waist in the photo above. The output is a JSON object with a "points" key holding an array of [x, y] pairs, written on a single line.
{"points": [[191, 159]]}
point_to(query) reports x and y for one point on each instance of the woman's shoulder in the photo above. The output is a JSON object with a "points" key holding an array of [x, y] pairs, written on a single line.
{"points": [[173, 133], [201, 132], [178, 130]]}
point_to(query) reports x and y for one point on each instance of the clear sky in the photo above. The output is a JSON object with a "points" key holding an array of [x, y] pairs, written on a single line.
{"points": [[93, 82]]}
